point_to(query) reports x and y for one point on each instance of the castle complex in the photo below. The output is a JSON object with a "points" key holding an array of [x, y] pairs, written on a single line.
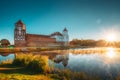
{"points": [[23, 39]]}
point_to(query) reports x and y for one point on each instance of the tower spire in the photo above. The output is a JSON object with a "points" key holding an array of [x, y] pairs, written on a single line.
{"points": [[65, 29], [65, 37], [19, 22]]}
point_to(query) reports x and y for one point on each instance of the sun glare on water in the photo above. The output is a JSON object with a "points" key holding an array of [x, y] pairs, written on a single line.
{"points": [[110, 52]]}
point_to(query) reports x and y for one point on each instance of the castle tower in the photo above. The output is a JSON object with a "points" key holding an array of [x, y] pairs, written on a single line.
{"points": [[19, 34], [65, 37]]}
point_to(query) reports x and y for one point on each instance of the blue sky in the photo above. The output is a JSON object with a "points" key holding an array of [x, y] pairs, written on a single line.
{"points": [[84, 19]]}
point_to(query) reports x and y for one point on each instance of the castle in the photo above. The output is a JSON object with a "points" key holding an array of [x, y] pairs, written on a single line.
{"points": [[24, 39]]}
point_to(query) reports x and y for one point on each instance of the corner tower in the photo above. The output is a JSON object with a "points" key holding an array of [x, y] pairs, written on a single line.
{"points": [[65, 37], [20, 34]]}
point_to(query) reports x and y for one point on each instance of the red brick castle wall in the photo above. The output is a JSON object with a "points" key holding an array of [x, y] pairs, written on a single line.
{"points": [[21, 39], [39, 40]]}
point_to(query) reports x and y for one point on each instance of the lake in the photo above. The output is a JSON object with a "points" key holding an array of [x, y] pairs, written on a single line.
{"points": [[105, 64]]}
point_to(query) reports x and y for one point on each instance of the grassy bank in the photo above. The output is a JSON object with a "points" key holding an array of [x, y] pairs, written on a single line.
{"points": [[17, 76], [24, 66]]}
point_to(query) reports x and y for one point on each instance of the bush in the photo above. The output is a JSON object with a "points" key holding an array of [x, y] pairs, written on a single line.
{"points": [[19, 62], [22, 60], [33, 63], [38, 65]]}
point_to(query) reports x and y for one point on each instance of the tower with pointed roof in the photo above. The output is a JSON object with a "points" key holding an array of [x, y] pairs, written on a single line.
{"points": [[65, 37], [23, 39], [20, 34]]}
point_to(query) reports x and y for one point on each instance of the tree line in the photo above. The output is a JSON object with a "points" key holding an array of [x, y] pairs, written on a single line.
{"points": [[93, 43]]}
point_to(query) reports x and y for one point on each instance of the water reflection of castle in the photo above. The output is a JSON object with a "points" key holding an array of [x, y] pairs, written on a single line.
{"points": [[57, 57], [62, 58]]}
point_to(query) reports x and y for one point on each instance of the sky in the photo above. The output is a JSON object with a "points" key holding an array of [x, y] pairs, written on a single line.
{"points": [[84, 19]]}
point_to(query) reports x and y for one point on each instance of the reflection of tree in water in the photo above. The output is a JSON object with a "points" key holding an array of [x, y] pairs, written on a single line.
{"points": [[62, 58], [4, 54], [6, 57]]}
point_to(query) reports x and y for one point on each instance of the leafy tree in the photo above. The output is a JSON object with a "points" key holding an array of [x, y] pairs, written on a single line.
{"points": [[5, 43]]}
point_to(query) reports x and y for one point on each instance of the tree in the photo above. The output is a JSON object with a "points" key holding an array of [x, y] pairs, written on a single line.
{"points": [[5, 43]]}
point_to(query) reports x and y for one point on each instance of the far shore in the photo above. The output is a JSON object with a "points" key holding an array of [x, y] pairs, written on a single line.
{"points": [[30, 49], [56, 49]]}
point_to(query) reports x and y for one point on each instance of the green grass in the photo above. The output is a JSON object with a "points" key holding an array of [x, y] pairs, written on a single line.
{"points": [[11, 72], [69, 75], [25, 67], [33, 63], [23, 77]]}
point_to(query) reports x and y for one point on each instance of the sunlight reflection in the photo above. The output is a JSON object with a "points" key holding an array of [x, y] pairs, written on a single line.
{"points": [[110, 52]]}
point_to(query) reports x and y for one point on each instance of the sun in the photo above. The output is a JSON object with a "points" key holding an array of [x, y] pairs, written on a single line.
{"points": [[111, 37]]}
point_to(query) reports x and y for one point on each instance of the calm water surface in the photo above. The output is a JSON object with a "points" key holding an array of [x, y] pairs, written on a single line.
{"points": [[103, 64], [6, 56]]}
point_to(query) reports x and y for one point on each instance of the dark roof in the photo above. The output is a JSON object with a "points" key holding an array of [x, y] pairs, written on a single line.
{"points": [[65, 29], [19, 22], [56, 33]]}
